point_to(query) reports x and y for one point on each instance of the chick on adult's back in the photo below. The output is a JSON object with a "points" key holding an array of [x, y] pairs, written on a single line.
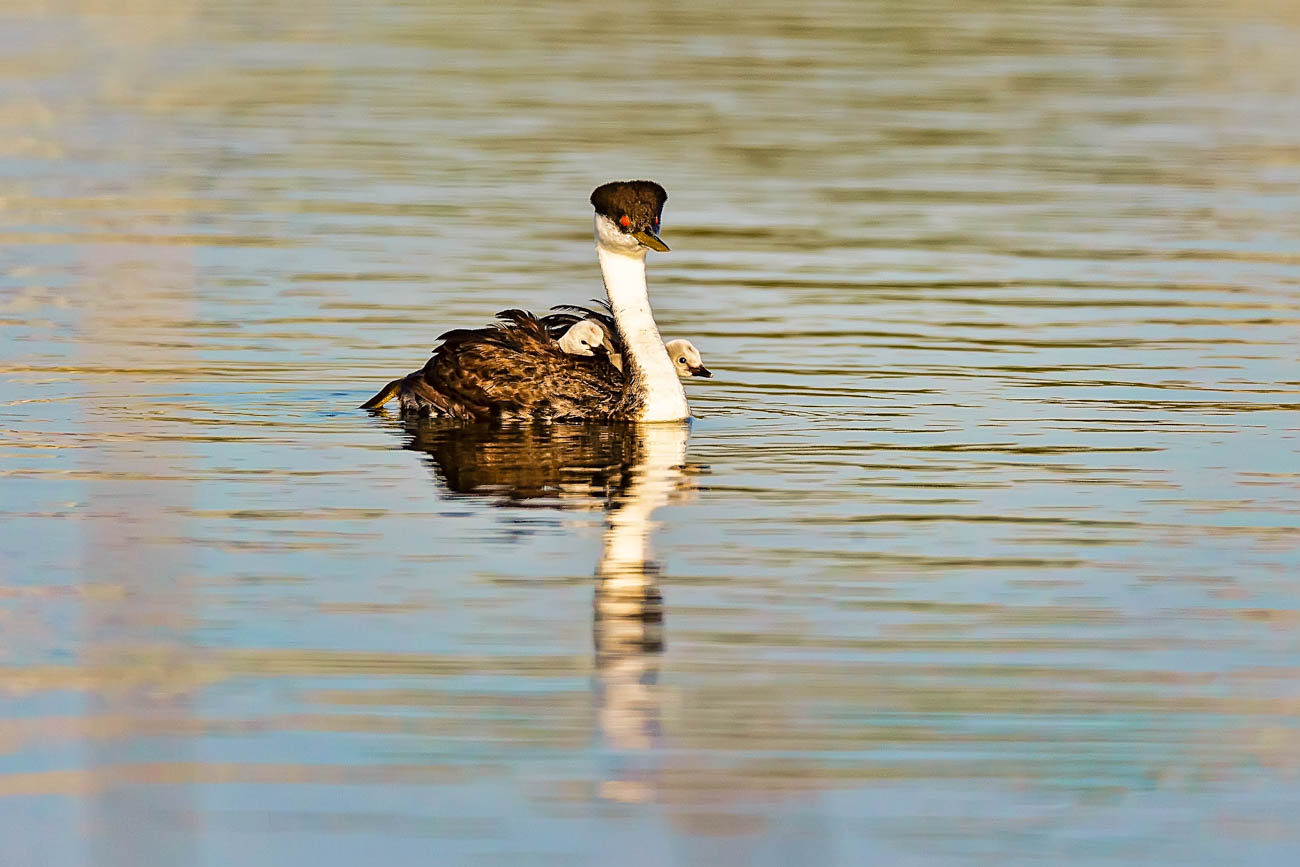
{"points": [[582, 331], [514, 369]]}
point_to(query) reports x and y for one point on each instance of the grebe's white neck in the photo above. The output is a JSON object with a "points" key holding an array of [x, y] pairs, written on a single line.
{"points": [[622, 265]]}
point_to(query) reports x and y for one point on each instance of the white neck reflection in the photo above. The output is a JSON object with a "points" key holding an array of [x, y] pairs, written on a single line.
{"points": [[628, 628]]}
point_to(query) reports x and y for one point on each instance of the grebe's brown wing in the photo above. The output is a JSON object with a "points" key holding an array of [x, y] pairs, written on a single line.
{"points": [[516, 370]]}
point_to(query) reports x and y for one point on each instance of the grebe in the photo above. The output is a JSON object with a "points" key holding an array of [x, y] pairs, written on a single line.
{"points": [[582, 331], [584, 338], [516, 370], [686, 359]]}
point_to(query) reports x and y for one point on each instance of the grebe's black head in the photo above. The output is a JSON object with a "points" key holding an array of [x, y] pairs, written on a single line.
{"points": [[631, 209]]}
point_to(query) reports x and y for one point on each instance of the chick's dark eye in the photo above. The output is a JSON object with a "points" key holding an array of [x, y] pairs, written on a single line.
{"points": [[682, 359]]}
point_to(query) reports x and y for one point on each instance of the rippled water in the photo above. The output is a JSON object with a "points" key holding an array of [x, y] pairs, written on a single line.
{"points": [[982, 548]]}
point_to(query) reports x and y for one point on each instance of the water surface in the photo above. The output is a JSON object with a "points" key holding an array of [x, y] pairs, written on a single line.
{"points": [[982, 547]]}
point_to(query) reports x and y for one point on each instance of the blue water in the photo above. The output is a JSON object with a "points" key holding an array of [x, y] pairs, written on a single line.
{"points": [[981, 547]]}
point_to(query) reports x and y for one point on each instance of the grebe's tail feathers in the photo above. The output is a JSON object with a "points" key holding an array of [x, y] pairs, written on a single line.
{"points": [[387, 393]]}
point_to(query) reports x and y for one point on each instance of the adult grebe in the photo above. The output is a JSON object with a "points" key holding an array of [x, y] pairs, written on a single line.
{"points": [[516, 370]]}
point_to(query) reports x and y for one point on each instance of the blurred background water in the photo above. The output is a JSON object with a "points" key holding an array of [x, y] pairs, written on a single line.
{"points": [[982, 547]]}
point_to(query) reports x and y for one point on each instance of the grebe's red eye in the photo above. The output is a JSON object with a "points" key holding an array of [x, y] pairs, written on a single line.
{"points": [[624, 221]]}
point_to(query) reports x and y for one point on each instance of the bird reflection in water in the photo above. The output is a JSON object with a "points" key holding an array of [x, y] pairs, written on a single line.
{"points": [[630, 471]]}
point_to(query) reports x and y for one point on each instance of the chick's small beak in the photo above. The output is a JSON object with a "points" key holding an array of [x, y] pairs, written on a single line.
{"points": [[701, 371], [650, 239]]}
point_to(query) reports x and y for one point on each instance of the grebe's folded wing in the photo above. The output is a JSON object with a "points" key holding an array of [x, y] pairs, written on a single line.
{"points": [[514, 369]]}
